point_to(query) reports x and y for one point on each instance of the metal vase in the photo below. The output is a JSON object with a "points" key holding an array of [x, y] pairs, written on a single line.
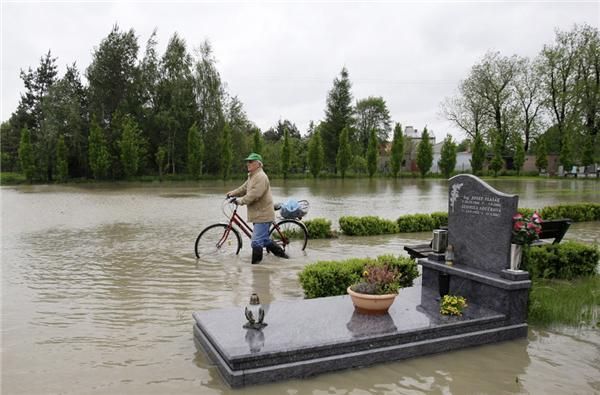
{"points": [[516, 252]]}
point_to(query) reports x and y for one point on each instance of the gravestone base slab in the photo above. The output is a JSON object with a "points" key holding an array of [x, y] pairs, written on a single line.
{"points": [[514, 275], [309, 337]]}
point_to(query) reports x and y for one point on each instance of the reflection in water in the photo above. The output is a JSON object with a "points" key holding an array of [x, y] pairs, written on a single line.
{"points": [[255, 339], [106, 279], [361, 325]]}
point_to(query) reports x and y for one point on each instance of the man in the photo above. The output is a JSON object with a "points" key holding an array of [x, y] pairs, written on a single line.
{"points": [[256, 194]]}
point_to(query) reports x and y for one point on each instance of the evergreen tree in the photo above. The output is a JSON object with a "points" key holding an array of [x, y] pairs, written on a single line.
{"points": [[397, 154], [226, 152], [285, 154], [26, 155], [566, 151], [424, 154], [257, 141], [541, 154], [195, 152], [99, 158], [447, 161], [344, 155], [587, 156], [519, 157], [338, 115], [131, 146], [372, 154], [497, 162], [62, 160], [316, 153], [477, 154]]}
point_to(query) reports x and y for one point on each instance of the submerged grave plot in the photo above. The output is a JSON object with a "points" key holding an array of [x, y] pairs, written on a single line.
{"points": [[308, 337]]}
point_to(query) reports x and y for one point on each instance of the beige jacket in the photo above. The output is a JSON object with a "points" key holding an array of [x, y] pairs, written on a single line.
{"points": [[256, 192]]}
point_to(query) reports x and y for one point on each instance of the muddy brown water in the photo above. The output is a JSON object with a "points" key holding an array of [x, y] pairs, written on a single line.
{"points": [[99, 283]]}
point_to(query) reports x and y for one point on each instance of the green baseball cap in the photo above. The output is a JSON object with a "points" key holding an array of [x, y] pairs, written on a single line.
{"points": [[254, 156]]}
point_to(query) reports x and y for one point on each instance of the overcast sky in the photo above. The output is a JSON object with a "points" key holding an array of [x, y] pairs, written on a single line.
{"points": [[280, 58]]}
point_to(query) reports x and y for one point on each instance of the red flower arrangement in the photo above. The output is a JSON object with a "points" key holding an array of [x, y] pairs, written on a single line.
{"points": [[526, 230]]}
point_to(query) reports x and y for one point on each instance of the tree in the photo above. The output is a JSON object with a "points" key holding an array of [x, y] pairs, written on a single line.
{"points": [[497, 161], [113, 92], [257, 141], [492, 82], [338, 115], [226, 152], [477, 155], [26, 155], [372, 154], [447, 161], [566, 151], [397, 153], [195, 152], [527, 86], [372, 113], [62, 160], [131, 146], [541, 154], [344, 155], [519, 155], [424, 154], [209, 94], [316, 153], [285, 155], [467, 109], [161, 160], [179, 95], [99, 158]]}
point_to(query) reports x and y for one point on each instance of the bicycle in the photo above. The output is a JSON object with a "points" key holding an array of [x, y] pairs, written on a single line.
{"points": [[217, 240]]}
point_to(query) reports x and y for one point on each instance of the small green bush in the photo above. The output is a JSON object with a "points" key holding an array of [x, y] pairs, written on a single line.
{"points": [[566, 260], [416, 223], [319, 228], [579, 212], [440, 218], [331, 278], [367, 226]]}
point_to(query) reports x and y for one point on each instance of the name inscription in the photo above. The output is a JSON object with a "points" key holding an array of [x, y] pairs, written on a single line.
{"points": [[481, 205]]}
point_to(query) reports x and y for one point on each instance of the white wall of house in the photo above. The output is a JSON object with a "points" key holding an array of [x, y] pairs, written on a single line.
{"points": [[463, 162]]}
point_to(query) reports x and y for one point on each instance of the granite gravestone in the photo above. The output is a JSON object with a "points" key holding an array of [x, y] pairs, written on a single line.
{"points": [[480, 223]]}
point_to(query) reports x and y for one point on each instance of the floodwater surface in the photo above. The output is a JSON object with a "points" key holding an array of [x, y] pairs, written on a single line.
{"points": [[99, 283]]}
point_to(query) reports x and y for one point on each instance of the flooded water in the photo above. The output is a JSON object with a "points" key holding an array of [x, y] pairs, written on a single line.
{"points": [[99, 283]]}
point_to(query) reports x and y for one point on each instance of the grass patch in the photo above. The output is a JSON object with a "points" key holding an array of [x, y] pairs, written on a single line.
{"points": [[569, 302]]}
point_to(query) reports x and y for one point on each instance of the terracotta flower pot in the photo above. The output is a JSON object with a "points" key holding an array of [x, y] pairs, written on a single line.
{"points": [[371, 304]]}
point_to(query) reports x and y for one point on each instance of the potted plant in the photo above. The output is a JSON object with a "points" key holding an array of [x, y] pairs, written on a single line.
{"points": [[525, 231], [376, 292]]}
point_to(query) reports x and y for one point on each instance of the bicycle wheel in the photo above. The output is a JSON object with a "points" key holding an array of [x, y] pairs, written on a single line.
{"points": [[217, 240], [290, 234]]}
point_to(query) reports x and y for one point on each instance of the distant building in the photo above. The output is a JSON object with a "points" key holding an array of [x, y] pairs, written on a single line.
{"points": [[412, 138], [463, 159]]}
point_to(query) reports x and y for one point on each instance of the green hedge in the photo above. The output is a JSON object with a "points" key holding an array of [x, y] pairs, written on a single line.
{"points": [[319, 228], [367, 226], [566, 260], [577, 212], [331, 278]]}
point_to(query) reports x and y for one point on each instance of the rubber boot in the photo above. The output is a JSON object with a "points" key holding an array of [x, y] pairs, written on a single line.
{"points": [[257, 255], [277, 250]]}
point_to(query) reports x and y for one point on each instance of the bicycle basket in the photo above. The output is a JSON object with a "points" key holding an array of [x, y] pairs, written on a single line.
{"points": [[294, 209]]}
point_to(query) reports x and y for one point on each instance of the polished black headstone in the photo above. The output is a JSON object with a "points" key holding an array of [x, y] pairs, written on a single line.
{"points": [[480, 223]]}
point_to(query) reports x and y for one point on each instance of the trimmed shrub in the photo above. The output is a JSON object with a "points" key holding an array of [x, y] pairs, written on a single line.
{"points": [[367, 226], [331, 278], [562, 261], [440, 218], [579, 212], [416, 223], [319, 228]]}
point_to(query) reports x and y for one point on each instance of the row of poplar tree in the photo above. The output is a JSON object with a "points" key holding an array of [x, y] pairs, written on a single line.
{"points": [[172, 114]]}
